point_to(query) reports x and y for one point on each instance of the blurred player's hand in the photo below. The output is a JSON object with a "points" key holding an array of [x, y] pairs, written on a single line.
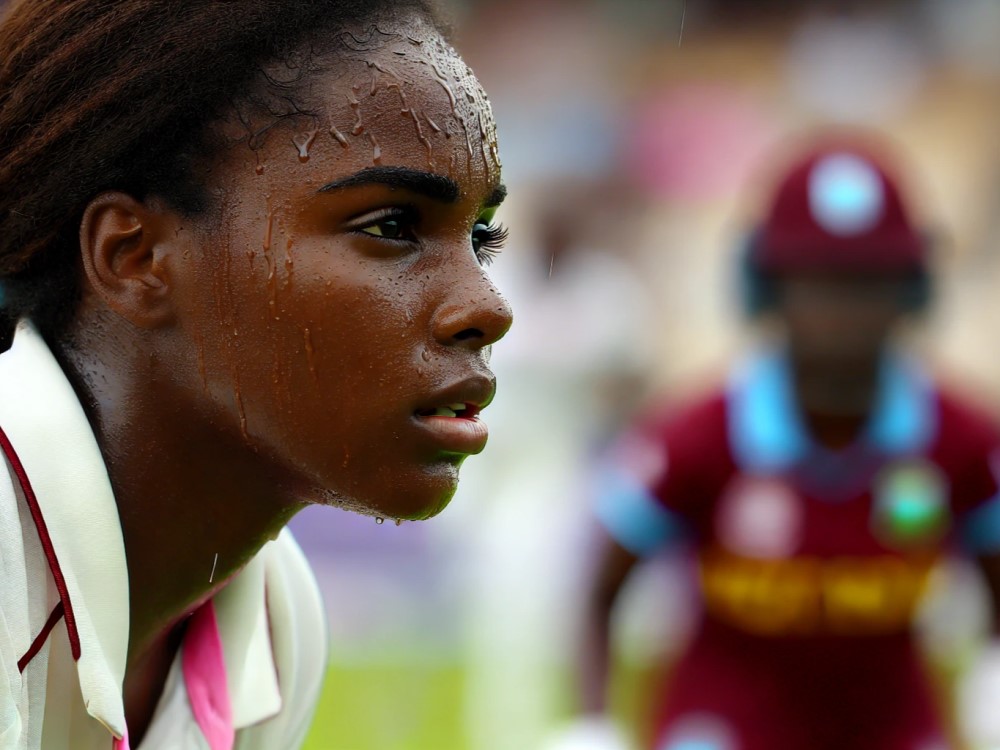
{"points": [[979, 700], [588, 733]]}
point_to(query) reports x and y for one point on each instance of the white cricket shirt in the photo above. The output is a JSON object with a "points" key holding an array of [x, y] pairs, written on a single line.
{"points": [[249, 672]]}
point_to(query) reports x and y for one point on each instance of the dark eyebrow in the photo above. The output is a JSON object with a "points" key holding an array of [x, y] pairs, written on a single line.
{"points": [[434, 186], [497, 196]]}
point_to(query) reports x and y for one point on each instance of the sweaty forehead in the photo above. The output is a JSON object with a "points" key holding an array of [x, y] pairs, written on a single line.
{"points": [[403, 93]]}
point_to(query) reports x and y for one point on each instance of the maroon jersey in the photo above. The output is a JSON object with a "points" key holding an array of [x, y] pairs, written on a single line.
{"points": [[811, 562]]}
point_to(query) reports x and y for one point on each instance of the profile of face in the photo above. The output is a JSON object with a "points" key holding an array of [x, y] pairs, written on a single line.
{"points": [[839, 320], [332, 312]]}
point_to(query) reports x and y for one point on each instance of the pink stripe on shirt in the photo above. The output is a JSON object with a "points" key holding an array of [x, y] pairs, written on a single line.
{"points": [[205, 677]]}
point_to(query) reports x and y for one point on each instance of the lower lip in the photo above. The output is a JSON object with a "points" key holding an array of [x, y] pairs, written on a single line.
{"points": [[456, 434]]}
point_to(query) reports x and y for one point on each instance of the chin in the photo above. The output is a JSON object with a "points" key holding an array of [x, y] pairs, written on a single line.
{"points": [[427, 495], [410, 496]]}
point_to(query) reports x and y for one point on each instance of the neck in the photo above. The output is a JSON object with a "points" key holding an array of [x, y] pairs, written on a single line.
{"points": [[847, 391], [836, 403], [195, 503]]}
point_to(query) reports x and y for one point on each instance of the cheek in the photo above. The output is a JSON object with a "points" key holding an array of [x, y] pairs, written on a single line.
{"points": [[319, 360], [324, 329]]}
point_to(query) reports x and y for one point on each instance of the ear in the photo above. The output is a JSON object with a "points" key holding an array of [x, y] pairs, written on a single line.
{"points": [[123, 254]]}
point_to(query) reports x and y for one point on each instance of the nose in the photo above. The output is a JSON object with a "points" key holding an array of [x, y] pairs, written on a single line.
{"points": [[474, 319]]}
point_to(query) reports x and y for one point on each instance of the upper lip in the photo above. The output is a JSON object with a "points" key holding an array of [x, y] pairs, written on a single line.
{"points": [[476, 391]]}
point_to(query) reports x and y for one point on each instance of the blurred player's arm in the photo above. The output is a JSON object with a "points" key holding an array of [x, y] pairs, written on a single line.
{"points": [[613, 563], [634, 522], [594, 729]]}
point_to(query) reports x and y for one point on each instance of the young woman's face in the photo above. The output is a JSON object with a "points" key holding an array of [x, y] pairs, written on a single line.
{"points": [[340, 315]]}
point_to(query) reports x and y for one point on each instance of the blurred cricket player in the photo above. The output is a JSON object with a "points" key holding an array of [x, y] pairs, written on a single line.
{"points": [[817, 490]]}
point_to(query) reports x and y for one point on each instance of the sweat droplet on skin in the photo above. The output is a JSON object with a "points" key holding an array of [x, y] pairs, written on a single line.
{"points": [[242, 411], [289, 262], [268, 228], [376, 149], [303, 142], [310, 353], [270, 261], [439, 76], [340, 137], [495, 153], [359, 125], [402, 97], [483, 138], [407, 111]]}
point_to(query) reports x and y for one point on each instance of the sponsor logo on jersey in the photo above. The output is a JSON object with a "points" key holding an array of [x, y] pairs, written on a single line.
{"points": [[910, 507], [760, 517], [814, 595]]}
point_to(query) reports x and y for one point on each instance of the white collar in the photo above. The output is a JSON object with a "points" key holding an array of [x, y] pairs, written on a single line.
{"points": [[766, 431], [244, 627], [44, 421], [53, 439]]}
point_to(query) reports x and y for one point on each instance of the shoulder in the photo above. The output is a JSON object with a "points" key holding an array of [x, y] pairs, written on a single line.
{"points": [[693, 429], [675, 441], [963, 425]]}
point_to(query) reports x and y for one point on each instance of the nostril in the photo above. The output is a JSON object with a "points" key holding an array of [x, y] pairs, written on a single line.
{"points": [[468, 334]]}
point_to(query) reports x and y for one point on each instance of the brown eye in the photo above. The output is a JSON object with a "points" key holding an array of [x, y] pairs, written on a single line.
{"points": [[390, 229], [396, 224]]}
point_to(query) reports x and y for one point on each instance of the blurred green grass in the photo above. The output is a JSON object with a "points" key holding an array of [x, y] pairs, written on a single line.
{"points": [[407, 706], [390, 707]]}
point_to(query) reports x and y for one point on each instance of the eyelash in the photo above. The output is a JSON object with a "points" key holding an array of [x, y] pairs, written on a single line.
{"points": [[491, 237], [494, 238]]}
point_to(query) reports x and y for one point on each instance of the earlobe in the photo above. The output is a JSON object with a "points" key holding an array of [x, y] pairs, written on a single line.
{"points": [[122, 256]]}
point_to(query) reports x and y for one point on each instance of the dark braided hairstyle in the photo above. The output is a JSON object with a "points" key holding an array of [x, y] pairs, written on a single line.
{"points": [[121, 94]]}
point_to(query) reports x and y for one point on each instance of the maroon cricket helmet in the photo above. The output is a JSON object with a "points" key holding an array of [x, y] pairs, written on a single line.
{"points": [[839, 209]]}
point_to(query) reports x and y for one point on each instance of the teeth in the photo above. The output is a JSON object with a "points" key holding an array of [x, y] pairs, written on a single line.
{"points": [[457, 407], [443, 411]]}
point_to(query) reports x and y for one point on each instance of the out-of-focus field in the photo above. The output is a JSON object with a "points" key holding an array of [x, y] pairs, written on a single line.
{"points": [[396, 707], [393, 707]]}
